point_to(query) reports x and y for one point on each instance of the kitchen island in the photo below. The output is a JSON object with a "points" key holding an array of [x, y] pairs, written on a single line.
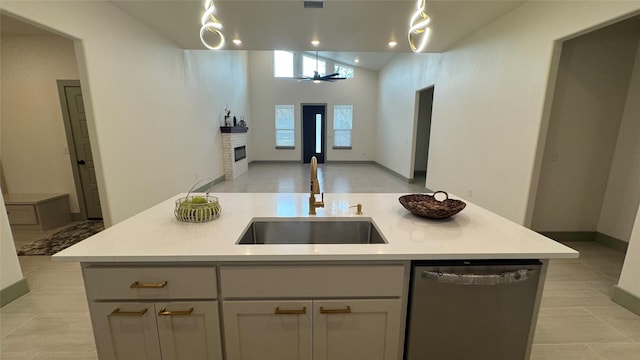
{"points": [[162, 289]]}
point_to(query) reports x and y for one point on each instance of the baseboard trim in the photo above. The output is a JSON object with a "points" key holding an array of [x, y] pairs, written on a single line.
{"points": [[209, 185], [562, 236], [275, 162], [612, 242], [13, 291], [410, 181], [349, 162], [604, 239], [626, 299]]}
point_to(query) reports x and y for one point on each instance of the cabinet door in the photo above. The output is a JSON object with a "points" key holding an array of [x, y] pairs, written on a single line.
{"points": [[125, 331], [189, 330], [356, 329], [259, 330]]}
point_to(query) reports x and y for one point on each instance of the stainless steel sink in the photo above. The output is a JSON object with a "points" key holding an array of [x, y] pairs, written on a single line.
{"points": [[322, 231]]}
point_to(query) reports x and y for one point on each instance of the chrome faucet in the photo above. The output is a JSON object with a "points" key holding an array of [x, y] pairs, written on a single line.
{"points": [[315, 188]]}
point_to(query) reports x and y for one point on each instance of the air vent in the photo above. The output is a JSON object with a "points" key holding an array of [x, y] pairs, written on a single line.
{"points": [[314, 4]]}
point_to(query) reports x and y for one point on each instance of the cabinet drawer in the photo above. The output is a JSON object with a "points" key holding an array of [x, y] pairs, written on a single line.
{"points": [[311, 281], [150, 282], [22, 214]]}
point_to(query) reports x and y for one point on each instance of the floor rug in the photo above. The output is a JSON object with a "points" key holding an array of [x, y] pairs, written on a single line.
{"points": [[62, 239]]}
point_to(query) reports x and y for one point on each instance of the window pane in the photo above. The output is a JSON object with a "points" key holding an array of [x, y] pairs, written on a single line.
{"points": [[309, 66], [342, 138], [284, 117], [282, 63], [345, 71], [285, 125], [342, 116], [342, 125], [285, 138], [318, 134]]}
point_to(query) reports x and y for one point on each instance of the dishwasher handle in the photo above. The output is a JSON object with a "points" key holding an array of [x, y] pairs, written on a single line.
{"points": [[479, 279]]}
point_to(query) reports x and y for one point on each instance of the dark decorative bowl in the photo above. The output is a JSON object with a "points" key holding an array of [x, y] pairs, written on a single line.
{"points": [[428, 206]]}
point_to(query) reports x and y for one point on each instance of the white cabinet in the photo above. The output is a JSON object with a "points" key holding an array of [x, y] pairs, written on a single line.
{"points": [[155, 325], [258, 330], [125, 331], [353, 329], [359, 329], [346, 312], [315, 311]]}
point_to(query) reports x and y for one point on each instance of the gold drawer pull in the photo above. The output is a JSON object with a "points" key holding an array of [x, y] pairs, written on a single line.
{"points": [[291, 312], [138, 285], [346, 310], [165, 312], [117, 312]]}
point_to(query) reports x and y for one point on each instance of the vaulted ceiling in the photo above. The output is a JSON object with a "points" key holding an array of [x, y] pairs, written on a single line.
{"points": [[346, 29]]}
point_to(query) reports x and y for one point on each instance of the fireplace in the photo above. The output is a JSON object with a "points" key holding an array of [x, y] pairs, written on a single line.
{"points": [[239, 153], [234, 151]]}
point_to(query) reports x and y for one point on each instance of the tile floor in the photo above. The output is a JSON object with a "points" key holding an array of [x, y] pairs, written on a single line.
{"points": [[577, 321]]}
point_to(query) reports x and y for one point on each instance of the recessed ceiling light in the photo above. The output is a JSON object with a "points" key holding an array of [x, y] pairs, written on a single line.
{"points": [[315, 42], [356, 60], [238, 42], [393, 43]]}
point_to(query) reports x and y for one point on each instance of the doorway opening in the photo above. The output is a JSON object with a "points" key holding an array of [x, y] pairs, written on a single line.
{"points": [[587, 187], [422, 133], [314, 132]]}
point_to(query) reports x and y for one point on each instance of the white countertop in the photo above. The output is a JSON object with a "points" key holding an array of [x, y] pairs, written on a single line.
{"points": [[155, 235]]}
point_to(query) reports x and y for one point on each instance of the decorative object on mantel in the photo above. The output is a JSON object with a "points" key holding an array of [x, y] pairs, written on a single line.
{"points": [[428, 206], [197, 208], [233, 129], [235, 121], [227, 116], [242, 123]]}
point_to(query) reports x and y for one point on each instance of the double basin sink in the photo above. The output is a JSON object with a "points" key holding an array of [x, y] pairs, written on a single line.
{"points": [[321, 231]]}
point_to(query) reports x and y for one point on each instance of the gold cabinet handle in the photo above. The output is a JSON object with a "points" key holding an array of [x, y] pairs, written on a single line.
{"points": [[138, 285], [117, 312], [291, 312], [165, 312], [346, 310]]}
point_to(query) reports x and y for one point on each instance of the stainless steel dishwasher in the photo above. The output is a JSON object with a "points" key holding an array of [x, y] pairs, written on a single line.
{"points": [[471, 310]]}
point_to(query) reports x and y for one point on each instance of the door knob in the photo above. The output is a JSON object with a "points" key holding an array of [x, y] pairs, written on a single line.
{"points": [[81, 162]]}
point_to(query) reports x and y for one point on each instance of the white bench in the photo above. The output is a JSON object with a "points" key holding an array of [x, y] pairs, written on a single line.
{"points": [[42, 211]]}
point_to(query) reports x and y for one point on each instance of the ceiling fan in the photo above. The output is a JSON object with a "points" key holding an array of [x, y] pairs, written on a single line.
{"points": [[317, 78]]}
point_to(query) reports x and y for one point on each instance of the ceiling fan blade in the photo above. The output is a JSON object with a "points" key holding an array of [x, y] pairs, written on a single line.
{"points": [[332, 75]]}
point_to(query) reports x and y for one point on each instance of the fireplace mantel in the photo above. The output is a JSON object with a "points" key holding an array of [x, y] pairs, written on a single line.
{"points": [[233, 129]]}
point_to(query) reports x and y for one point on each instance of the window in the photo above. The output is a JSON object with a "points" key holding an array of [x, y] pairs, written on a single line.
{"points": [[309, 66], [342, 125], [285, 125], [345, 71], [282, 64]]}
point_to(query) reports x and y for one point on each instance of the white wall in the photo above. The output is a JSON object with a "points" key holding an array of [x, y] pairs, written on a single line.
{"points": [[588, 105], [488, 103], [10, 271], [267, 91], [623, 189], [32, 128], [153, 109], [629, 279]]}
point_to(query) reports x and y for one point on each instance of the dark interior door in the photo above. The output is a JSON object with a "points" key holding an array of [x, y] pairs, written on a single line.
{"points": [[80, 133], [313, 132]]}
